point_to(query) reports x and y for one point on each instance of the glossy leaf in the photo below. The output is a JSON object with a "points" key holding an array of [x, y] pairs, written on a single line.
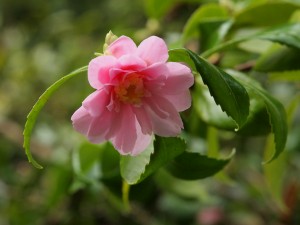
{"points": [[208, 111], [226, 91], [276, 112], [33, 114], [136, 169], [193, 166]]}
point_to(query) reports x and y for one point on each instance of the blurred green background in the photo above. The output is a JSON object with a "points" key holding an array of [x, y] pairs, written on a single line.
{"points": [[42, 40]]}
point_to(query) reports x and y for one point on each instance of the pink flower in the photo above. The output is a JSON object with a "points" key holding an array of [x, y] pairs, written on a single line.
{"points": [[138, 94]]}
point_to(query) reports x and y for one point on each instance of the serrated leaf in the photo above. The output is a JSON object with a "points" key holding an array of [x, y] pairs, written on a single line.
{"points": [[132, 167], [226, 91], [276, 112], [193, 166], [165, 149], [33, 114], [208, 111]]}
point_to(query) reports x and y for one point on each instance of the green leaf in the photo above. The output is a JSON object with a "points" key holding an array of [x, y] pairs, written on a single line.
{"points": [[33, 114], [285, 76], [276, 112], [136, 169], [266, 14], [278, 58], [205, 13], [193, 166], [226, 91], [156, 8], [207, 109], [287, 34], [277, 168], [213, 32], [132, 167]]}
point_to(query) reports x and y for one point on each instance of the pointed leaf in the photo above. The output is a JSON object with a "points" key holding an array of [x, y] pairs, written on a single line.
{"points": [[226, 91], [33, 114], [136, 169], [193, 166], [276, 112]]}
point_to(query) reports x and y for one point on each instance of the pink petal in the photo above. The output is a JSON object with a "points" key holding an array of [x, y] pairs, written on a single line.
{"points": [[153, 50], [167, 126], [179, 79], [122, 46], [98, 70], [95, 128], [143, 120], [99, 127], [131, 62], [96, 102], [180, 101], [129, 139], [81, 120]]}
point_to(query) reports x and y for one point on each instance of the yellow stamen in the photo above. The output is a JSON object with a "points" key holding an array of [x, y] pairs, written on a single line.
{"points": [[131, 90]]}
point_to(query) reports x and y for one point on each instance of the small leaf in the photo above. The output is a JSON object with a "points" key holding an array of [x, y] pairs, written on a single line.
{"points": [[226, 91], [132, 167], [33, 114], [193, 166], [136, 169]]}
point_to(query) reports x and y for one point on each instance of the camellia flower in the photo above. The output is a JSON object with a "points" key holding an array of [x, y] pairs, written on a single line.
{"points": [[138, 94]]}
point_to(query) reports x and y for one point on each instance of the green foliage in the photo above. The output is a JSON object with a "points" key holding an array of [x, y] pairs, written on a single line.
{"points": [[226, 91], [162, 151], [33, 114], [193, 166]]}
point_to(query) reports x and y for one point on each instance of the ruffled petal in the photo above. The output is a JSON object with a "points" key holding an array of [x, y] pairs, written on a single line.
{"points": [[98, 70], [96, 102], [131, 62], [129, 138], [143, 120], [168, 123], [94, 128], [180, 101], [179, 79], [153, 50], [81, 120], [122, 46]]}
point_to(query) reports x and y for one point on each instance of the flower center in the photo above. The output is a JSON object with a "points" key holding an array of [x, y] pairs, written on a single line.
{"points": [[131, 89]]}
